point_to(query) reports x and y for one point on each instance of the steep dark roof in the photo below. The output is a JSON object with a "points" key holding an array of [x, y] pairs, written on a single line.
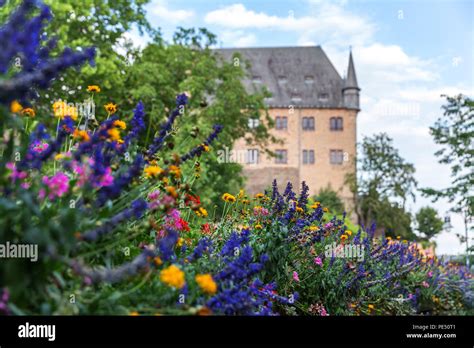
{"points": [[309, 75]]}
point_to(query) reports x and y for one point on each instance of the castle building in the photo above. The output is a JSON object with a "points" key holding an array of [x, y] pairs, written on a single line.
{"points": [[315, 114]]}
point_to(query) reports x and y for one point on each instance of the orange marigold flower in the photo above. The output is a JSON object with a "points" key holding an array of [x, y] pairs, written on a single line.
{"points": [[15, 107], [29, 112], [93, 88], [111, 108], [120, 124], [81, 134], [206, 283]]}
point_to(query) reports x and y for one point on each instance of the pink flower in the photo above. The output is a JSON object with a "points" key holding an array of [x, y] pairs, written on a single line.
{"points": [[323, 312], [154, 195], [329, 225], [296, 278], [260, 211], [58, 185], [425, 284], [430, 274], [39, 147], [105, 180], [15, 174], [318, 261]]}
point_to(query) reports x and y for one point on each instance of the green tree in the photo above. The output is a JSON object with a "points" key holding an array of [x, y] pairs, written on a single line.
{"points": [[384, 183], [217, 93], [454, 132], [329, 198], [428, 222]]}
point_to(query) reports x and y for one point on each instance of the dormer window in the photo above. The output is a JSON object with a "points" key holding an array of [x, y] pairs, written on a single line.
{"points": [[308, 79], [257, 79], [296, 97], [323, 97]]}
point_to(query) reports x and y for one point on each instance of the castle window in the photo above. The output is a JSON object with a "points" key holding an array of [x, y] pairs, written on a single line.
{"points": [[253, 123], [308, 156], [336, 156], [336, 124], [257, 79], [252, 156], [282, 79], [281, 122], [281, 156], [308, 123], [308, 79], [323, 97]]}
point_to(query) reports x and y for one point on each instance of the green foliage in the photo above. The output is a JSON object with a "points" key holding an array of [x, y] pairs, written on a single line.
{"points": [[454, 132], [329, 198], [384, 184], [428, 222], [218, 96]]}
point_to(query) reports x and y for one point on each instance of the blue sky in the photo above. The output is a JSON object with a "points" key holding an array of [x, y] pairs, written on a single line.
{"points": [[406, 54]]}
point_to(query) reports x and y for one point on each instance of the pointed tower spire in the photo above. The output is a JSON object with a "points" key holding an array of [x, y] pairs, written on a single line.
{"points": [[351, 79], [350, 91]]}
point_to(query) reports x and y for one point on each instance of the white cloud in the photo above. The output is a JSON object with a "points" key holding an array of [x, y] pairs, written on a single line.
{"points": [[160, 9], [329, 21], [238, 38]]}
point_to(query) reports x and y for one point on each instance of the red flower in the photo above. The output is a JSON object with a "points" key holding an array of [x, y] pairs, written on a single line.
{"points": [[192, 199], [206, 228], [184, 225]]}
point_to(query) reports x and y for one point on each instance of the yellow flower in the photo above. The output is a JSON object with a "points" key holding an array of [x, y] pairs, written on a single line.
{"points": [[174, 170], [371, 307], [259, 195], [15, 107], [59, 156], [81, 134], [299, 209], [201, 212], [61, 109], [173, 276], [206, 283], [343, 237], [180, 242], [348, 232], [158, 261], [29, 112], [241, 194], [134, 314], [314, 228], [388, 239], [120, 124], [93, 88], [114, 134], [326, 210], [398, 237], [245, 201], [152, 171], [171, 190], [258, 227], [111, 108], [205, 147], [228, 197]]}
